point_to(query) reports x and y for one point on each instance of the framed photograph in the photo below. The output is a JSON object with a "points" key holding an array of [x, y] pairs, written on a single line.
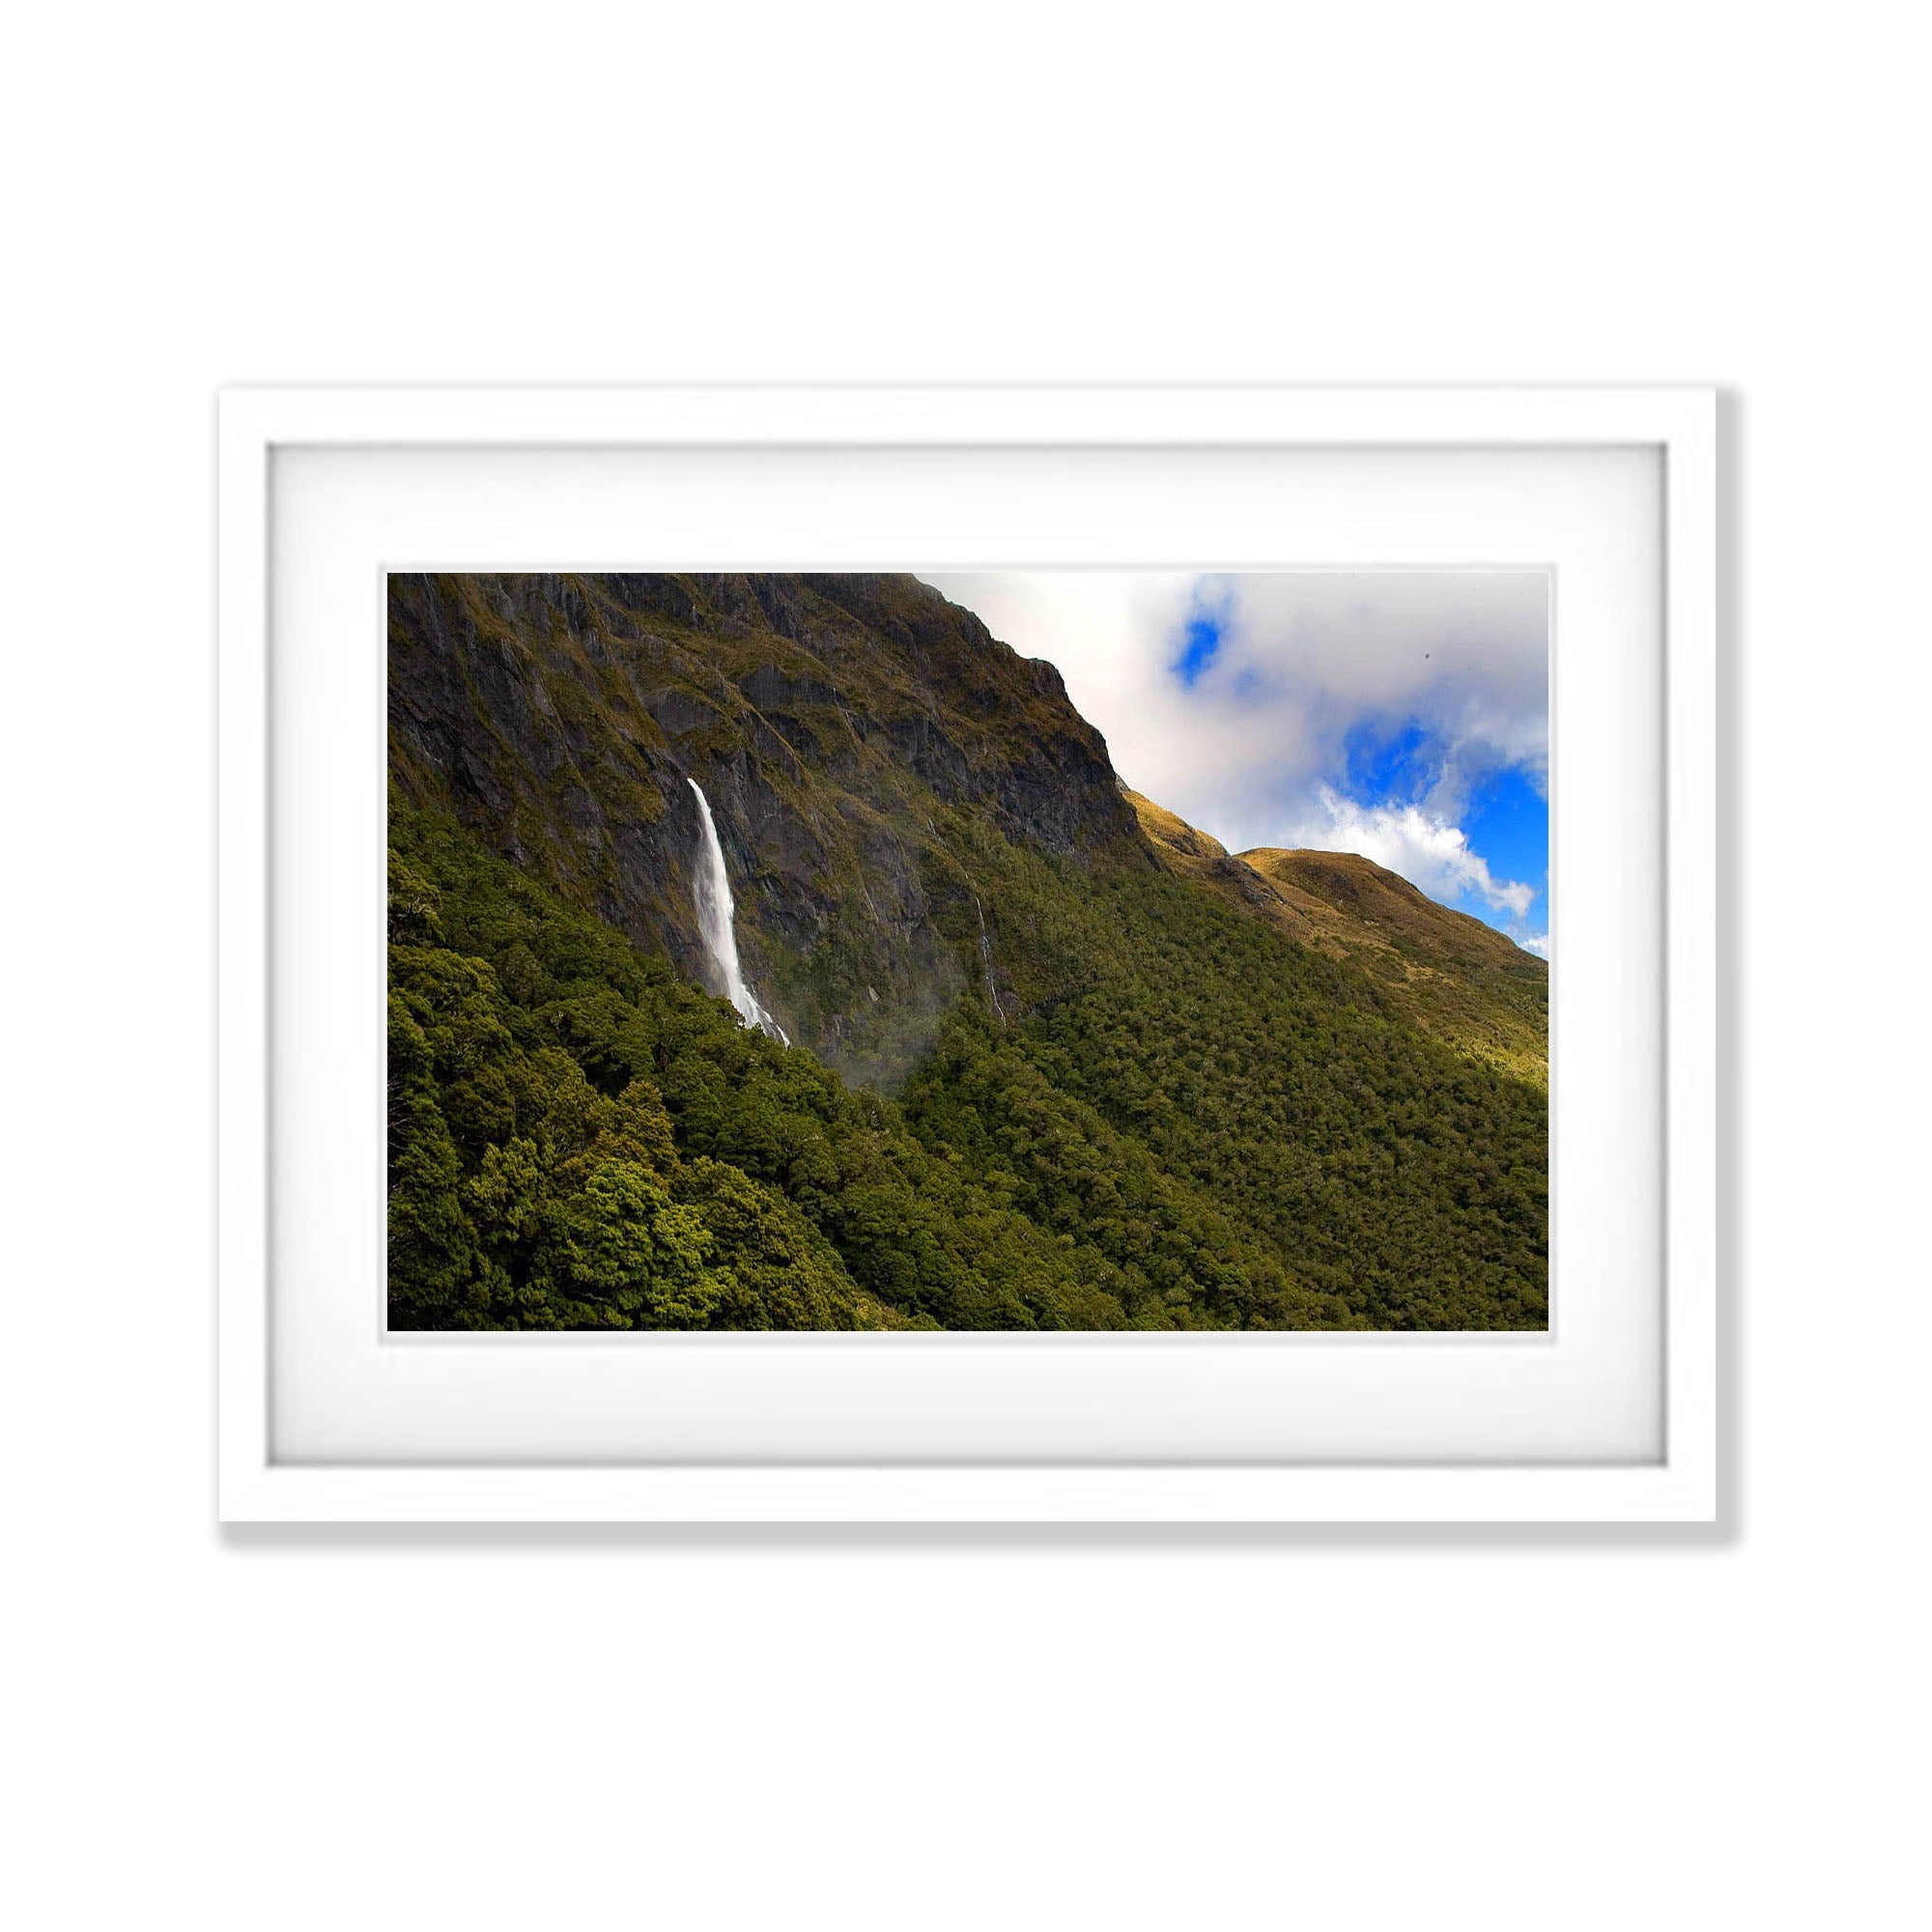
{"points": [[968, 955]]}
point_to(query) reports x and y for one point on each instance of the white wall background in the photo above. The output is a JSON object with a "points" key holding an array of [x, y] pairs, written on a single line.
{"points": [[579, 1730]]}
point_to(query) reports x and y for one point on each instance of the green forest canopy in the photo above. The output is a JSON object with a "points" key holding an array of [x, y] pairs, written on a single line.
{"points": [[1198, 1125]]}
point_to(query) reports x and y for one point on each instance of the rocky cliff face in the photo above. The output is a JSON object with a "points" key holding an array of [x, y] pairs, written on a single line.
{"points": [[874, 760]]}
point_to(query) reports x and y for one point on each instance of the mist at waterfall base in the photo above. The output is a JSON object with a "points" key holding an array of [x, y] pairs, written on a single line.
{"points": [[711, 893]]}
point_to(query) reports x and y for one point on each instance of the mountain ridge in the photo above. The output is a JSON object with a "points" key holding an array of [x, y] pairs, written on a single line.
{"points": [[1451, 973], [837, 724]]}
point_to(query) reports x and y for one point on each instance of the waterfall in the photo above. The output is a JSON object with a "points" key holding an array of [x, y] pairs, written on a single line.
{"points": [[986, 960], [711, 892]]}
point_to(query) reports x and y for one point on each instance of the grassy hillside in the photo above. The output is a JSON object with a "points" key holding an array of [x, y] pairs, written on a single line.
{"points": [[1047, 1075], [1454, 977]]}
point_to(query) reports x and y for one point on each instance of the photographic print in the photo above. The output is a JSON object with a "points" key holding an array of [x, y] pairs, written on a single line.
{"points": [[1018, 951]]}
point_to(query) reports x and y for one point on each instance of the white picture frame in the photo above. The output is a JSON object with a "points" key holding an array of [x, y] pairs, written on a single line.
{"points": [[259, 428]]}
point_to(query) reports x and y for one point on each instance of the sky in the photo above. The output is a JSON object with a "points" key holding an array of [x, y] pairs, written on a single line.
{"points": [[1403, 715]]}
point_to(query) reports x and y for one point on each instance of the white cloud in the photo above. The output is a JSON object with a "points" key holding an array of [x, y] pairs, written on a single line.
{"points": [[1309, 665], [1537, 943], [1426, 850]]}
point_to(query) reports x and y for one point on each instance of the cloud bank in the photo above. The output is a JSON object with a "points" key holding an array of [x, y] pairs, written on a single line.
{"points": [[1349, 711], [1425, 850]]}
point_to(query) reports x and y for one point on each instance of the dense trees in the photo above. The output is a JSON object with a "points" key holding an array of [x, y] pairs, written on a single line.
{"points": [[1197, 1124], [604, 1146], [1375, 1163]]}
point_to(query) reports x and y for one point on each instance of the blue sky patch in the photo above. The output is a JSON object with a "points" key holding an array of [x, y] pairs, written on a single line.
{"points": [[1389, 767], [1508, 822], [1199, 645]]}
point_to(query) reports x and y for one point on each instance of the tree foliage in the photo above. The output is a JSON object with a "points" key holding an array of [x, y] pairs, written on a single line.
{"points": [[1198, 1125]]}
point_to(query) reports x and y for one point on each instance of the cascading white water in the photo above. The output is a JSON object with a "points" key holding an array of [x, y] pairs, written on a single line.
{"points": [[986, 960], [711, 891]]}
